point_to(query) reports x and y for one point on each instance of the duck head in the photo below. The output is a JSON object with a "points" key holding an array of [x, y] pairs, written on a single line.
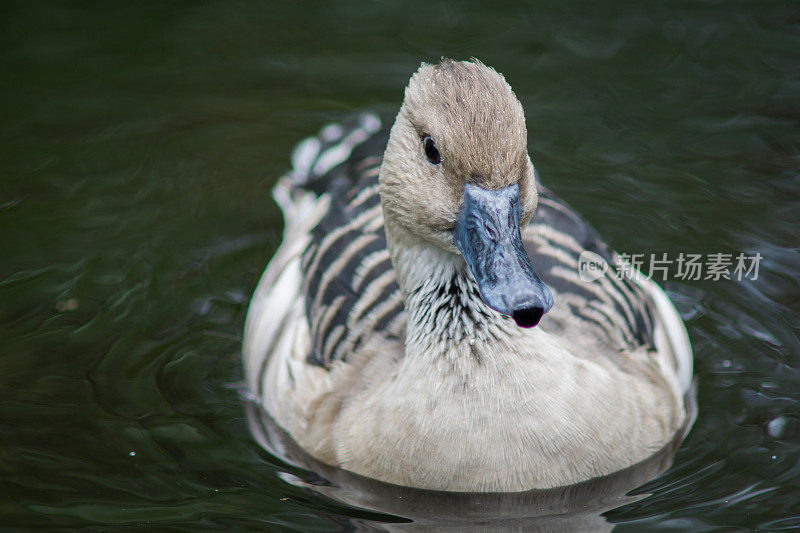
{"points": [[456, 174]]}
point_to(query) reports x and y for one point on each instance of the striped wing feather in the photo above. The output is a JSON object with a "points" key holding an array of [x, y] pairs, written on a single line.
{"points": [[351, 294]]}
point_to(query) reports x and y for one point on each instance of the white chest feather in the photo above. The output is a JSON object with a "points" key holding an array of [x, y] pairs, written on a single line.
{"points": [[503, 421], [478, 404]]}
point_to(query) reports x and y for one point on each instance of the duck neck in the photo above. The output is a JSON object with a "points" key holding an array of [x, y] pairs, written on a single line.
{"points": [[446, 314]]}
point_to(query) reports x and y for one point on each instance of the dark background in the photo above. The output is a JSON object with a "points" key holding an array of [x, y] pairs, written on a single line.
{"points": [[138, 146]]}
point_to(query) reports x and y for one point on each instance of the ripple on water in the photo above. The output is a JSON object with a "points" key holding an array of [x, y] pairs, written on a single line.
{"points": [[139, 146]]}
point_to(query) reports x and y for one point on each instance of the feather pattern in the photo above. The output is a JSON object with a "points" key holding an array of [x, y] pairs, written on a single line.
{"points": [[369, 339], [352, 295]]}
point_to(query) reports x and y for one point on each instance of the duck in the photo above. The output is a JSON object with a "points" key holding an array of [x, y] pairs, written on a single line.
{"points": [[425, 321]]}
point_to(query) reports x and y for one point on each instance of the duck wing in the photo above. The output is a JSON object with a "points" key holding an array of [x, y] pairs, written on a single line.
{"points": [[351, 291], [347, 286], [616, 312]]}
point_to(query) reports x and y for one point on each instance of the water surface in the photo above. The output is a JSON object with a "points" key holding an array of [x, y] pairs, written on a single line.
{"points": [[139, 146]]}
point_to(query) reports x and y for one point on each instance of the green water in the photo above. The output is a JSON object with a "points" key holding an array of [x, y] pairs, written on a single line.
{"points": [[139, 146]]}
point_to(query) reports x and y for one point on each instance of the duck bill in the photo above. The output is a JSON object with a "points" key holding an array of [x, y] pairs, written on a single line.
{"points": [[488, 235]]}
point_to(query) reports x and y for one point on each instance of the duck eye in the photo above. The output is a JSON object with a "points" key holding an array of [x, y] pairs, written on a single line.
{"points": [[430, 150]]}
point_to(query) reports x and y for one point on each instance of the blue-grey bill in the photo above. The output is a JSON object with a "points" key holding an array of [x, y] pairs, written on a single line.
{"points": [[488, 235]]}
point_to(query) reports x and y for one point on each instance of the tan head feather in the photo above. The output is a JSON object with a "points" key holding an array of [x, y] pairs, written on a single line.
{"points": [[478, 126]]}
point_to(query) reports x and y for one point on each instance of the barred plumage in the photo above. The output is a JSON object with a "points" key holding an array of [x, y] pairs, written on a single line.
{"points": [[351, 293], [400, 362]]}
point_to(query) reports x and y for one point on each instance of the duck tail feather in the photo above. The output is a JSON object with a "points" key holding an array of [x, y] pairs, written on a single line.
{"points": [[316, 160]]}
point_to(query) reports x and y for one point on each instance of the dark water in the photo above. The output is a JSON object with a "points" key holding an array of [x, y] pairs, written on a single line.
{"points": [[139, 145]]}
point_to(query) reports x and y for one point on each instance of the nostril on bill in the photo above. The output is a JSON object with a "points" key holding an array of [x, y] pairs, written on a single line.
{"points": [[527, 317]]}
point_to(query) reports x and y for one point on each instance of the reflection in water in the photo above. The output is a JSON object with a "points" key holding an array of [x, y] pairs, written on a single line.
{"points": [[575, 508]]}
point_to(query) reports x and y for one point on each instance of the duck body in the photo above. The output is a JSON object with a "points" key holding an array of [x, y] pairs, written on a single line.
{"points": [[390, 334]]}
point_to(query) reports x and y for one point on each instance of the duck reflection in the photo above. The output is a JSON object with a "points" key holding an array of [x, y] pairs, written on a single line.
{"points": [[578, 507]]}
